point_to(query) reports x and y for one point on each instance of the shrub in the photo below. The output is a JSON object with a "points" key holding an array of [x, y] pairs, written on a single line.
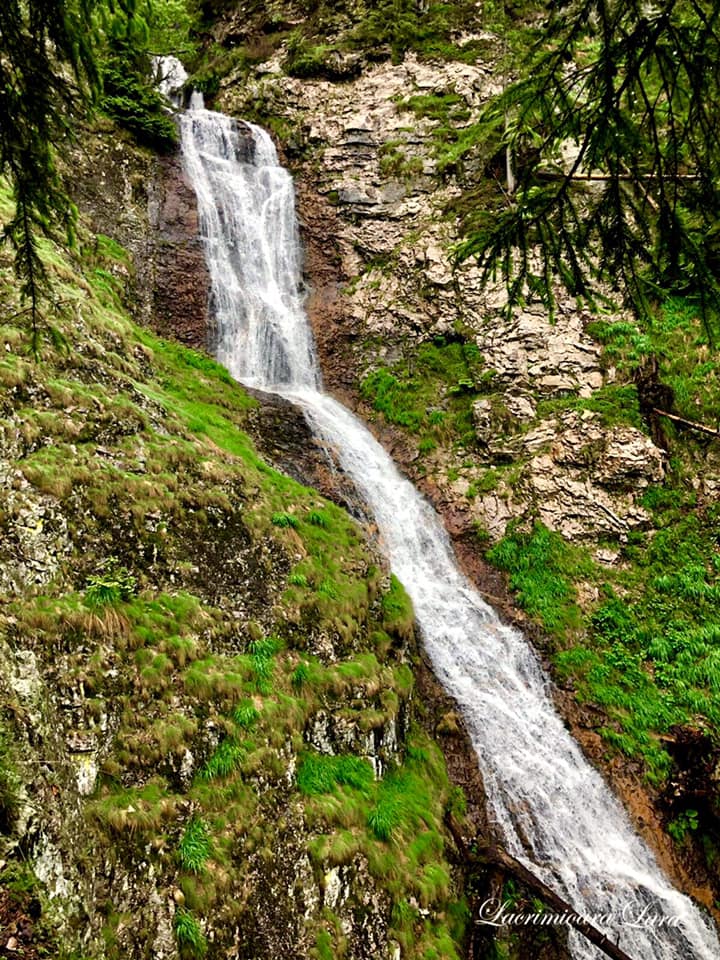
{"points": [[113, 585], [284, 520], [305, 59], [132, 101]]}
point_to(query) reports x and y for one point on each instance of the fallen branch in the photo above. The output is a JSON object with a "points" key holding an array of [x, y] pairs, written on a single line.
{"points": [[692, 424], [492, 853]]}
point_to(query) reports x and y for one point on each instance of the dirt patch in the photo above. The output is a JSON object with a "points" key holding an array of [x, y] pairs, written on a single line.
{"points": [[17, 923]]}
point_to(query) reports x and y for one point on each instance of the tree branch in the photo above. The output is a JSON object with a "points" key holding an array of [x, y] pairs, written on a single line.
{"points": [[492, 853]]}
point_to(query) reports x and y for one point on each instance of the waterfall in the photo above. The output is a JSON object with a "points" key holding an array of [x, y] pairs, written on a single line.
{"points": [[553, 810]]}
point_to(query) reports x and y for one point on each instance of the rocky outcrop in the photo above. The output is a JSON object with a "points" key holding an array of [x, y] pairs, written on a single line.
{"points": [[144, 203], [180, 284], [374, 211]]}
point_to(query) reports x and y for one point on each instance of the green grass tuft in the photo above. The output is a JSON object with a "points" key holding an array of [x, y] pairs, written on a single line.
{"points": [[321, 774], [225, 760], [189, 936], [195, 846]]}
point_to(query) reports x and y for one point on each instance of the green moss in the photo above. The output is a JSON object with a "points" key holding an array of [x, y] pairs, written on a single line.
{"points": [[431, 391], [397, 610]]}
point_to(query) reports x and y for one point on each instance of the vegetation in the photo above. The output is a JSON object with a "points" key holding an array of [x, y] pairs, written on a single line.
{"points": [[195, 846], [209, 686], [10, 784], [114, 584], [541, 566], [430, 392], [48, 71], [646, 650], [190, 937], [633, 207], [130, 98]]}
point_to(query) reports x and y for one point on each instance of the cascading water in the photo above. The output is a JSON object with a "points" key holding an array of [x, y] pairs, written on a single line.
{"points": [[554, 811]]}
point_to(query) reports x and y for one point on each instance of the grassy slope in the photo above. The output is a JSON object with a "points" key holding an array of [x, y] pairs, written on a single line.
{"points": [[202, 602]]}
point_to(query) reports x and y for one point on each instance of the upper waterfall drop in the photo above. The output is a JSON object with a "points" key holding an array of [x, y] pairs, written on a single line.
{"points": [[554, 810], [246, 205]]}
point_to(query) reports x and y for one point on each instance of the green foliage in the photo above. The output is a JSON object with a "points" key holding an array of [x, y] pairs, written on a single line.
{"points": [[541, 567], [395, 163], [403, 25], [245, 714], [684, 824], [9, 784], [636, 206], [319, 519], [190, 938], [439, 374], [324, 946], [114, 584], [48, 75], [285, 520], [386, 815], [262, 653], [319, 773], [300, 676], [615, 403], [172, 25], [649, 657], [673, 335], [226, 758], [195, 846], [393, 398], [305, 59], [131, 99]]}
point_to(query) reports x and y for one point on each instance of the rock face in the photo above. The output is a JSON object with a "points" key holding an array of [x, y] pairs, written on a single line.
{"points": [[374, 213], [180, 295], [145, 203]]}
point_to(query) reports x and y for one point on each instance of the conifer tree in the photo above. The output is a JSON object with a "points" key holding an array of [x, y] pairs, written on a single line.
{"points": [[614, 129], [48, 75]]}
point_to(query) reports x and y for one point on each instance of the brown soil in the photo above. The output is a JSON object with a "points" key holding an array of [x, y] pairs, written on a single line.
{"points": [[17, 938]]}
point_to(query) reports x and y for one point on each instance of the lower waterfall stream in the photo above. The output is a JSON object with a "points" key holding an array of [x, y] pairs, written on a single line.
{"points": [[552, 809]]}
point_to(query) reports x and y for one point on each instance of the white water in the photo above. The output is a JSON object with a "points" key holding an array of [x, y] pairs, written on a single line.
{"points": [[552, 809]]}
